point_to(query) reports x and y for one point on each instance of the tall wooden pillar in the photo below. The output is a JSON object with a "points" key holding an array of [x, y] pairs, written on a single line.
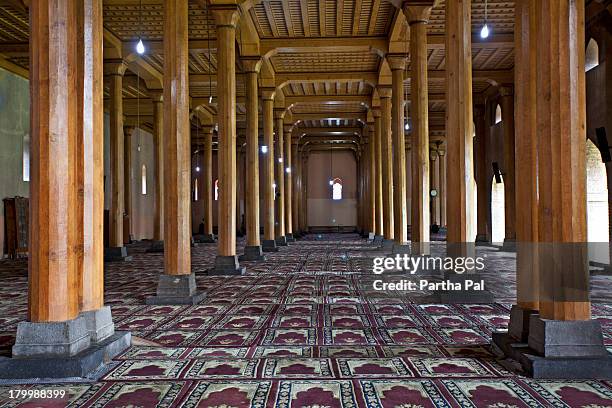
{"points": [[226, 18], [526, 176], [435, 185], [295, 209], [459, 127], [442, 186], [117, 170], [128, 136], [269, 243], [280, 178], [375, 134], [288, 169], [418, 18], [252, 251], [561, 124], [54, 205], [481, 173], [207, 186], [387, 162], [158, 146], [507, 107], [372, 182], [400, 222]]}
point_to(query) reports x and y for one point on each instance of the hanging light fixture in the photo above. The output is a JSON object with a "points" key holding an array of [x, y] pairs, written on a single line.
{"points": [[140, 48], [485, 32], [197, 167], [331, 163]]}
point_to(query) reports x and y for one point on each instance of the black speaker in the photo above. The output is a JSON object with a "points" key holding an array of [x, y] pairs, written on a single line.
{"points": [[602, 144], [496, 172]]}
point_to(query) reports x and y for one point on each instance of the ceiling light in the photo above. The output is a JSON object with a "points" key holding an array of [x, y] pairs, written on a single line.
{"points": [[288, 170], [197, 169], [264, 149], [484, 33], [210, 99], [140, 48], [280, 159]]}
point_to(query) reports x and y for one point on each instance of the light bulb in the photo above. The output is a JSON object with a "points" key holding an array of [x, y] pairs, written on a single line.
{"points": [[197, 168], [331, 182], [280, 159], [210, 99], [484, 33], [274, 185], [140, 48], [407, 126], [264, 149], [288, 170]]}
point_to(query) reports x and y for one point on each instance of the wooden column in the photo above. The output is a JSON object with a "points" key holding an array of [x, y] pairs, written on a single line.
{"points": [[561, 124], [226, 18], [400, 222], [280, 178], [288, 183], [387, 162], [459, 130], [375, 133], [177, 141], [295, 209], [481, 174], [417, 16], [91, 156], [372, 183], [435, 185], [442, 188], [158, 146], [128, 132], [116, 71], [54, 204], [207, 184], [304, 192], [507, 107], [268, 167], [526, 176], [251, 66]]}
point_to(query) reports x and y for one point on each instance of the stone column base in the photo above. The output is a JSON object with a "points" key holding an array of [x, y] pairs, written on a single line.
{"points": [[116, 254], [515, 339], [99, 323], [82, 364], [252, 253], [269, 245], [157, 247], [281, 241], [297, 235], [51, 339], [290, 237], [227, 266], [205, 238], [564, 350], [509, 245], [400, 249], [378, 240], [387, 244], [176, 290]]}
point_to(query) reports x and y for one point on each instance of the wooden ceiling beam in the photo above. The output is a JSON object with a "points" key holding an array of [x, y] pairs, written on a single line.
{"points": [[288, 22], [356, 17], [339, 15], [305, 19]]}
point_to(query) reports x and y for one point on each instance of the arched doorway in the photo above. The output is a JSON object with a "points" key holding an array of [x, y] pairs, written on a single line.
{"points": [[597, 205], [498, 216]]}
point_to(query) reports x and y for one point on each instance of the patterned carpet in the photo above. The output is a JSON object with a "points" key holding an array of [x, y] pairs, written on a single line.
{"points": [[304, 329]]}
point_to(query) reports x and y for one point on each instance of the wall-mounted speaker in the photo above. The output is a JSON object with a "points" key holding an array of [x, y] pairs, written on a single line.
{"points": [[602, 144], [496, 173]]}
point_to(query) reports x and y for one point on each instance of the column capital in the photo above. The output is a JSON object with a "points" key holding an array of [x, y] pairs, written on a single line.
{"points": [[251, 63], [267, 94], [384, 91], [417, 11], [397, 61], [433, 154], [225, 15], [115, 67], [156, 96], [506, 90], [279, 113], [287, 128]]}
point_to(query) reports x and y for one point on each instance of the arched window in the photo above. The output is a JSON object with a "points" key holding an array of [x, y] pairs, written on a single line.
{"points": [[143, 179], [337, 189], [216, 189], [498, 212], [498, 114], [592, 55], [26, 157], [196, 193]]}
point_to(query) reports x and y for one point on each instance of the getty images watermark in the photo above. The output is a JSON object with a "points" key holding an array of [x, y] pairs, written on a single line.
{"points": [[413, 265]]}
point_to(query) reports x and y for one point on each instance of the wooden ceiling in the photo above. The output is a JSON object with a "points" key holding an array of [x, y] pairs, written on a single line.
{"points": [[326, 55]]}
